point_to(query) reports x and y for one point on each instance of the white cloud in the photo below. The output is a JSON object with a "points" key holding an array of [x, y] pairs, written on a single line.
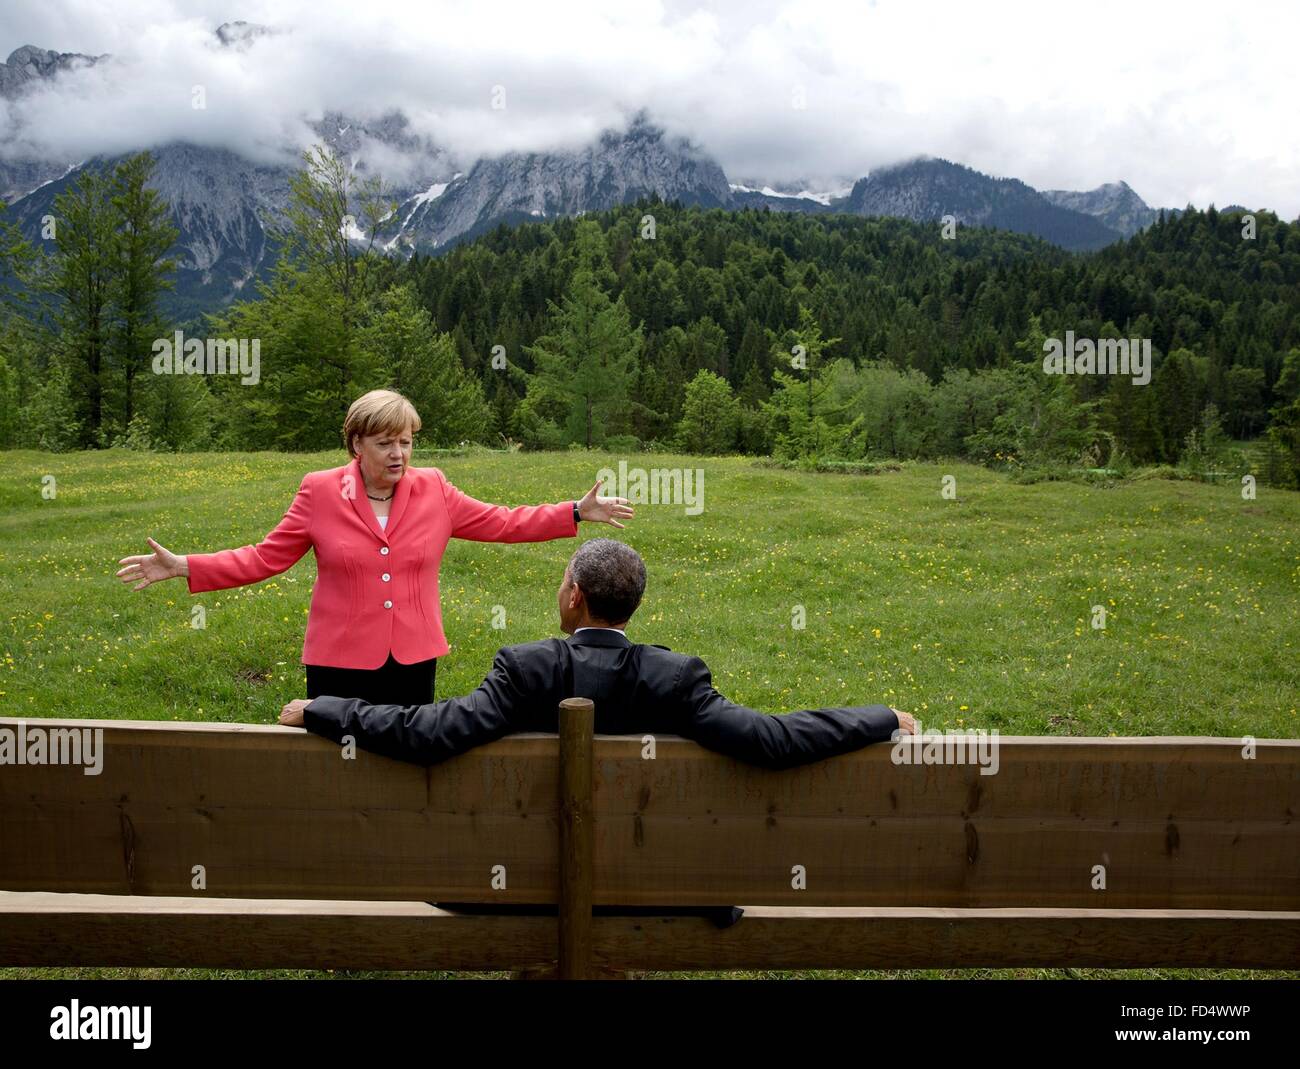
{"points": [[1188, 102]]}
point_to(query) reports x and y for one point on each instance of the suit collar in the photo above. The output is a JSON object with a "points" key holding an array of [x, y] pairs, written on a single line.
{"points": [[354, 487], [596, 637]]}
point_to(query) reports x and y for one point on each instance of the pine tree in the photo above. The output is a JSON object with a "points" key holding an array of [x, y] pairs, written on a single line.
{"points": [[807, 350], [587, 363], [8, 403], [82, 278], [144, 234], [754, 353], [17, 258], [427, 370], [308, 319], [1283, 436], [710, 416], [334, 220]]}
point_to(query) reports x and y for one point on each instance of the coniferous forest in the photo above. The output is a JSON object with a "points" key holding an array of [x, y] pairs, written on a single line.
{"points": [[822, 339]]}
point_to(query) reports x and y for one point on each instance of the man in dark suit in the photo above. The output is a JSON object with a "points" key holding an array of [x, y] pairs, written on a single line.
{"points": [[637, 688]]}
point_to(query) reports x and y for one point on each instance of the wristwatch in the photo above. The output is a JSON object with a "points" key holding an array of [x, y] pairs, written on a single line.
{"points": [[576, 517]]}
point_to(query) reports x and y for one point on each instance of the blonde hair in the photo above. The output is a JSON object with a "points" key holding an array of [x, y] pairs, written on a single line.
{"points": [[379, 412]]}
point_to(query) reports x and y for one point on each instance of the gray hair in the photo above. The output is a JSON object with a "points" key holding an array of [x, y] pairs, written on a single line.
{"points": [[611, 576]]}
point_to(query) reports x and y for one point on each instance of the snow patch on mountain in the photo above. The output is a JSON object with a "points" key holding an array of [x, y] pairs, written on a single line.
{"points": [[823, 198]]}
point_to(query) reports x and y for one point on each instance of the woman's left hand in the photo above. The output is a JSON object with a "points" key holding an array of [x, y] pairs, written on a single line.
{"points": [[604, 509]]}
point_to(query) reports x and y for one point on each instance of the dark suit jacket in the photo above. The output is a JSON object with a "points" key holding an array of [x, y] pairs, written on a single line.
{"points": [[638, 689]]}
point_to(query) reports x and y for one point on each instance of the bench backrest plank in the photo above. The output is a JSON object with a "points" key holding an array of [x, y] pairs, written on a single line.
{"points": [[1175, 822], [269, 812], [1182, 823]]}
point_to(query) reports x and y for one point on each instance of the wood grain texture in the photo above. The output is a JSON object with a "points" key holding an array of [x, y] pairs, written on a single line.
{"points": [[1181, 823], [577, 716], [61, 930], [1176, 823], [275, 812]]}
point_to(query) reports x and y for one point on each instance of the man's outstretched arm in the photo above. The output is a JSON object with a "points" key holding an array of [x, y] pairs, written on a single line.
{"points": [[424, 734], [774, 741]]}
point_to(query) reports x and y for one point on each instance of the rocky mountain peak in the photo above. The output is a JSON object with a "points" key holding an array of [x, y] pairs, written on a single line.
{"points": [[28, 66], [1113, 203], [240, 35]]}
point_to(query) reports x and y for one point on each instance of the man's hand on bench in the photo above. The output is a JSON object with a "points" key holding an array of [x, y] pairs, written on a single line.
{"points": [[291, 715], [906, 724]]}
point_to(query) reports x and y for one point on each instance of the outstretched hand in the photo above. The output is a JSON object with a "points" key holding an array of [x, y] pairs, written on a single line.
{"points": [[147, 568], [604, 509]]}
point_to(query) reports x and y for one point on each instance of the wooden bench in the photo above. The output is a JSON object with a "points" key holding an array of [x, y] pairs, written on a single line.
{"points": [[313, 860]]}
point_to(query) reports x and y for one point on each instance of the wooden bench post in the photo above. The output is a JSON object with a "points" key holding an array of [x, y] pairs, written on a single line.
{"points": [[577, 838]]}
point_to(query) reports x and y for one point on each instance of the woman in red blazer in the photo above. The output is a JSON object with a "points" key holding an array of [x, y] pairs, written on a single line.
{"points": [[378, 527]]}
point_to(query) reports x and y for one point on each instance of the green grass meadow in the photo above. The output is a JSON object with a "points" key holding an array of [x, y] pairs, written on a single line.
{"points": [[976, 611]]}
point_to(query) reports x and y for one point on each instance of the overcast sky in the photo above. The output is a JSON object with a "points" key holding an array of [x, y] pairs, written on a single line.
{"points": [[1187, 101]]}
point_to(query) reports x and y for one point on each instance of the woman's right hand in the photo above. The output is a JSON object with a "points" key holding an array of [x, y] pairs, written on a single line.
{"points": [[152, 567]]}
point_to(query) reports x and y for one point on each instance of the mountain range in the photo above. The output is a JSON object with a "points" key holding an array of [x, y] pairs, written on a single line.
{"points": [[227, 207]]}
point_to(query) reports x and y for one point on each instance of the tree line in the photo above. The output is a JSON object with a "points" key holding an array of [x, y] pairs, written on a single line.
{"points": [[657, 326]]}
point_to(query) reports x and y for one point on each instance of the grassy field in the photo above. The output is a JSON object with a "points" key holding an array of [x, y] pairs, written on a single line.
{"points": [[974, 612]]}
